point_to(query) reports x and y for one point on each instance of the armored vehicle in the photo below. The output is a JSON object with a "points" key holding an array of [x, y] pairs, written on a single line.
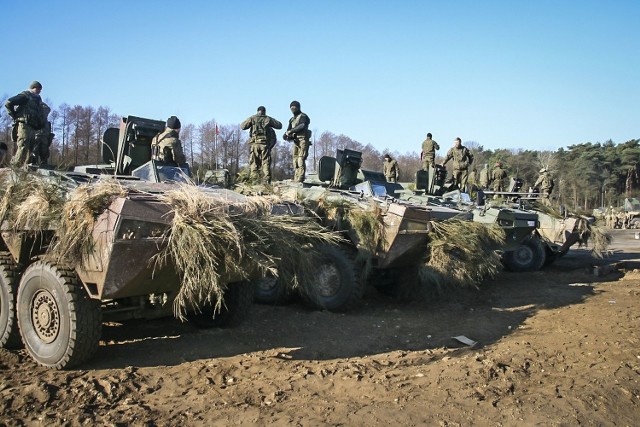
{"points": [[380, 232], [631, 213], [534, 238], [53, 304]]}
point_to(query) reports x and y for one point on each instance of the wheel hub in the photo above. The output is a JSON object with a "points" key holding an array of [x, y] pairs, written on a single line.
{"points": [[45, 316], [523, 254], [267, 283], [328, 280]]}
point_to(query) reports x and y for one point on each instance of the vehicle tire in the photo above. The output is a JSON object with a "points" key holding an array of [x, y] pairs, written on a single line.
{"points": [[634, 223], [59, 324], [238, 299], [337, 284], [271, 291], [529, 256], [9, 278]]}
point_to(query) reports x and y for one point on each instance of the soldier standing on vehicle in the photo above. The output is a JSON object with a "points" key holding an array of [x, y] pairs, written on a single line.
{"points": [[26, 111], [485, 177], [428, 155], [498, 176], [544, 184], [262, 138], [166, 146], [298, 132], [44, 138], [390, 169], [462, 158]]}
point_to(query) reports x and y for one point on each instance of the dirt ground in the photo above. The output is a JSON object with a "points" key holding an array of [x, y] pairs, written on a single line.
{"points": [[558, 347]]}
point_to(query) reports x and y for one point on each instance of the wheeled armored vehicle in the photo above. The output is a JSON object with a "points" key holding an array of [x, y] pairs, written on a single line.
{"points": [[54, 304]]}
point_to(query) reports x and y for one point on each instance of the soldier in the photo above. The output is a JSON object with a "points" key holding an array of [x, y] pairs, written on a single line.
{"points": [[498, 176], [462, 158], [262, 138], [298, 132], [166, 146], [485, 177], [26, 111], [428, 155], [390, 168], [609, 217], [544, 184], [44, 137]]}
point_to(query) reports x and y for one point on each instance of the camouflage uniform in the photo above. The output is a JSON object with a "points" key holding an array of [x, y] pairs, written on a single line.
{"points": [[498, 176], [485, 178], [298, 132], [544, 184], [390, 169], [44, 137], [429, 147], [26, 111], [262, 138], [462, 158], [166, 146]]}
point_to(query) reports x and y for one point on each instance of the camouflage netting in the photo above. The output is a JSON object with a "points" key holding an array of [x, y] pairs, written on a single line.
{"points": [[74, 237], [28, 202], [213, 239], [599, 237], [462, 253], [366, 222]]}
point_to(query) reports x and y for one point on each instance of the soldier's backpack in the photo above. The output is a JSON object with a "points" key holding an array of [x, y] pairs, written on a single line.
{"points": [[271, 138], [259, 129], [33, 113]]}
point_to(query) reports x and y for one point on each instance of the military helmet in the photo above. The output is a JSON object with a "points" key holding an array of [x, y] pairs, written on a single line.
{"points": [[173, 122], [35, 85]]}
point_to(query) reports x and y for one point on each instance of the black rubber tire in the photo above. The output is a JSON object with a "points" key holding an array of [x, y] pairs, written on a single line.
{"points": [[238, 299], [338, 285], [270, 290], [529, 256], [59, 324], [9, 279], [634, 223]]}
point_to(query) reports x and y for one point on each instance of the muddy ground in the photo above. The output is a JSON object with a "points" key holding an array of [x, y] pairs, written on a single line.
{"points": [[559, 347]]}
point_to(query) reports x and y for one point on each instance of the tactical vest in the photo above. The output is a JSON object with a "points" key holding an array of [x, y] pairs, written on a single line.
{"points": [[259, 127], [32, 112], [306, 133]]}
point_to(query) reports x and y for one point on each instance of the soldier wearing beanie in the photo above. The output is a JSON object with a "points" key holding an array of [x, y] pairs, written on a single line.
{"points": [[28, 117], [390, 168], [498, 176], [166, 146], [262, 138], [299, 134]]}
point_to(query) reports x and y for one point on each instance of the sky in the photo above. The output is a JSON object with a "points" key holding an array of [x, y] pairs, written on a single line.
{"points": [[511, 74]]}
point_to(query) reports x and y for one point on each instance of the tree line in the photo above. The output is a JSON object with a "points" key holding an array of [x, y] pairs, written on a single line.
{"points": [[586, 175]]}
